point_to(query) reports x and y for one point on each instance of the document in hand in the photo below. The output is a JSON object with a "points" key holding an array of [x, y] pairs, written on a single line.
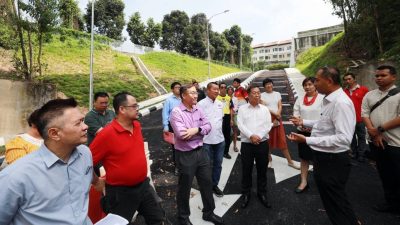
{"points": [[112, 219], [169, 137]]}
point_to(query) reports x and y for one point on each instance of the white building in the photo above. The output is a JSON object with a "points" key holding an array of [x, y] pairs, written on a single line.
{"points": [[273, 52]]}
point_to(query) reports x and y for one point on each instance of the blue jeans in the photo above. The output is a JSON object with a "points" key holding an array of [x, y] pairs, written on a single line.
{"points": [[216, 154]]}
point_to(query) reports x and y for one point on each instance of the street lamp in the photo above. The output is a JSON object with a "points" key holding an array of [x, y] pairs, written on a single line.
{"points": [[91, 60], [208, 42]]}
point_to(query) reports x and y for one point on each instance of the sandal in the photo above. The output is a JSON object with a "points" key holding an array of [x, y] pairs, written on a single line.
{"points": [[235, 149]]}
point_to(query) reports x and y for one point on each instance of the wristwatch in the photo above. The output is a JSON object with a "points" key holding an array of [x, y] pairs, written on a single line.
{"points": [[380, 129]]}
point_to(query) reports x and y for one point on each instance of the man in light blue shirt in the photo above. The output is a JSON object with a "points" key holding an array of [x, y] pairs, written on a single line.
{"points": [[51, 185], [170, 103]]}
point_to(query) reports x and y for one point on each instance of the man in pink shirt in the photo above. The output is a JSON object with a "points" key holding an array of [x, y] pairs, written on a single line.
{"points": [[190, 125]]}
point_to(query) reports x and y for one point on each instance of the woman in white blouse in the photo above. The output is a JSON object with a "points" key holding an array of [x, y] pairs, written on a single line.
{"points": [[277, 137], [306, 107]]}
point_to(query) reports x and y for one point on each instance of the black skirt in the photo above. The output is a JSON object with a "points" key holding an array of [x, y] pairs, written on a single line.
{"points": [[305, 152]]}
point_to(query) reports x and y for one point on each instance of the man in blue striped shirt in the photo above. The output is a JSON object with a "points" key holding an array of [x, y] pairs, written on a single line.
{"points": [[170, 103]]}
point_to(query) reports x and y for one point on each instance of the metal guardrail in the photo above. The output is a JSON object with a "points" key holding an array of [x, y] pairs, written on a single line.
{"points": [[143, 69], [148, 106]]}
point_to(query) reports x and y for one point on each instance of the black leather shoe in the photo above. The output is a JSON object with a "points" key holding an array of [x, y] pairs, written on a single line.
{"points": [[245, 200], [213, 219], [264, 201], [185, 222], [227, 156], [299, 191], [217, 191]]}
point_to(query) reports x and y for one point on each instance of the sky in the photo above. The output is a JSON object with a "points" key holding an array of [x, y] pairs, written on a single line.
{"points": [[265, 20]]}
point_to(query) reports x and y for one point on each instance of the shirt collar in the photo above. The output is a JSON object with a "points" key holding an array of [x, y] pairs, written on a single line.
{"points": [[50, 158], [332, 96], [99, 113], [251, 106], [392, 87], [355, 87], [183, 108], [118, 126]]}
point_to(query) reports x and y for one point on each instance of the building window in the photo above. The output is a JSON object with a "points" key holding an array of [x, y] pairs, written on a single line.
{"points": [[289, 47], [288, 55], [261, 58], [255, 52], [275, 56]]}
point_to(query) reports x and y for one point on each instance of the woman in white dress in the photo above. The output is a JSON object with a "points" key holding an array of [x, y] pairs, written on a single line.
{"points": [[307, 107]]}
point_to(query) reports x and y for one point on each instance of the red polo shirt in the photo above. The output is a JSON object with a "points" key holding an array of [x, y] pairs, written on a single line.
{"points": [[122, 154], [356, 97]]}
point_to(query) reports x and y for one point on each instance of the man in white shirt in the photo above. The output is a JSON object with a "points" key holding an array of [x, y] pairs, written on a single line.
{"points": [[254, 123], [330, 139], [214, 142], [383, 126]]}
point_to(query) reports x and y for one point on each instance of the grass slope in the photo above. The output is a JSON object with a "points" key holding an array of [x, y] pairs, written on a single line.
{"points": [[168, 67], [67, 66], [329, 54]]}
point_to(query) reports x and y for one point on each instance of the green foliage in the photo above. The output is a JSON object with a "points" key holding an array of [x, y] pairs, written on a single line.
{"points": [[146, 35], [108, 17], [168, 67], [329, 54], [136, 29], [277, 66], [69, 13], [7, 35], [68, 68], [173, 26]]}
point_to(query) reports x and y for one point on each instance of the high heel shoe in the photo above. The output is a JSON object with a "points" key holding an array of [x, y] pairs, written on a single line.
{"points": [[299, 191]]}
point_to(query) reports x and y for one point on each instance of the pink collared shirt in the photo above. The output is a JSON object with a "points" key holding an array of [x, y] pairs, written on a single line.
{"points": [[182, 119]]}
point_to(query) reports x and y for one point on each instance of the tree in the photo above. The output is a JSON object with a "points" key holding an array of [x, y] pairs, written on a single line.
{"points": [[173, 26], [219, 46], [44, 14], [69, 13], [108, 17], [141, 34], [136, 29], [152, 34], [233, 36]]}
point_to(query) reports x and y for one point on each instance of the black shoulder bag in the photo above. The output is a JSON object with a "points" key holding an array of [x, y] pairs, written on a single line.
{"points": [[392, 92]]}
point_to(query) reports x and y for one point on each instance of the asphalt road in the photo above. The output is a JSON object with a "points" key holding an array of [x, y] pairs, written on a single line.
{"points": [[288, 208]]}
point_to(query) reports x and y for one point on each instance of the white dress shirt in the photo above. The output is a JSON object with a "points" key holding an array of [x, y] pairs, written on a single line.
{"points": [[254, 121], [214, 111], [334, 130]]}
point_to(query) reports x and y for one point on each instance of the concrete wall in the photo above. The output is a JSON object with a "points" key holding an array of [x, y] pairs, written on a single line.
{"points": [[18, 99]]}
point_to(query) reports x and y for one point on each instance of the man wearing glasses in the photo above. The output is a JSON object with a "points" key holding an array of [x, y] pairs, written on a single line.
{"points": [[99, 116], [120, 147], [190, 125]]}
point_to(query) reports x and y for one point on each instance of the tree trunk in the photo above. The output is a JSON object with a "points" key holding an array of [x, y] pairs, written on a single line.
{"points": [[40, 37], [17, 17], [346, 39], [351, 14], [30, 54], [377, 29]]}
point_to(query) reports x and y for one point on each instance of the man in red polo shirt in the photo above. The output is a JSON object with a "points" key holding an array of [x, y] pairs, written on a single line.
{"points": [[121, 149], [356, 93]]}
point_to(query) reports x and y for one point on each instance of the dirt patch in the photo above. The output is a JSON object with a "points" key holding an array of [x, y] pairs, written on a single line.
{"points": [[6, 61]]}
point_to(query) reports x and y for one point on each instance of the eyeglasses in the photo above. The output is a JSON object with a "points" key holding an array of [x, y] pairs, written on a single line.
{"points": [[193, 93], [136, 106]]}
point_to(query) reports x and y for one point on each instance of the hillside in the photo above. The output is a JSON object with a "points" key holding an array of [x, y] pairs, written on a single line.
{"points": [[168, 67], [329, 54]]}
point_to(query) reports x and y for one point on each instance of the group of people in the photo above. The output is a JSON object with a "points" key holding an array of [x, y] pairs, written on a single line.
{"points": [[48, 179]]}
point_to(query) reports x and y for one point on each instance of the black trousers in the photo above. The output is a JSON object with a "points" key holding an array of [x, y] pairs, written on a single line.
{"points": [[126, 200], [193, 163], [226, 130], [259, 153], [331, 172], [172, 146], [388, 165]]}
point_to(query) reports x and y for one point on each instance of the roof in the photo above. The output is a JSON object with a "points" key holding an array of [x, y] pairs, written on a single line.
{"points": [[275, 43]]}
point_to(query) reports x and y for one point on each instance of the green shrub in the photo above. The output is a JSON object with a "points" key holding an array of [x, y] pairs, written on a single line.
{"points": [[277, 66]]}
